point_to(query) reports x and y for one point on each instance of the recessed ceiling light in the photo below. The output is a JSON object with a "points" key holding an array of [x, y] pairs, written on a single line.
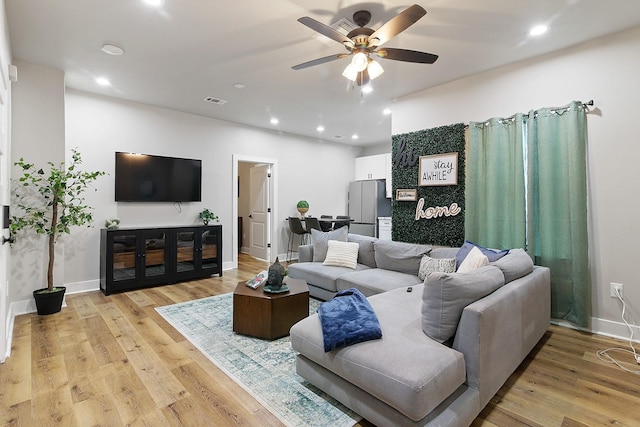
{"points": [[154, 3], [320, 128], [367, 89], [538, 30], [112, 49], [103, 81], [274, 121], [238, 86], [338, 136], [354, 136], [386, 111]]}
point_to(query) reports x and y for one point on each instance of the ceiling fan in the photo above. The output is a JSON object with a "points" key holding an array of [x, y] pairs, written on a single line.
{"points": [[363, 42]]}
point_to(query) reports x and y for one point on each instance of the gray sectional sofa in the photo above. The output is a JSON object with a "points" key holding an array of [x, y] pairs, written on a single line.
{"points": [[447, 346]]}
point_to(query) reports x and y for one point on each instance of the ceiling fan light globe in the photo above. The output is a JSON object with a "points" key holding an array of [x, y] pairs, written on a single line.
{"points": [[374, 69], [360, 61], [350, 73]]}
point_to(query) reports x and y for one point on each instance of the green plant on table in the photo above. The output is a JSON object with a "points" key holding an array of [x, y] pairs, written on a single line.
{"points": [[206, 215]]}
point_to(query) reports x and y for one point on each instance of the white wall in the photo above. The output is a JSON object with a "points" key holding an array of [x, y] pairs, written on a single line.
{"points": [[38, 136], [605, 70], [307, 169]]}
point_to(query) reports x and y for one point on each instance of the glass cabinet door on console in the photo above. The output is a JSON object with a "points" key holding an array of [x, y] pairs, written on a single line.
{"points": [[154, 253], [210, 238], [124, 247], [186, 250], [132, 257], [197, 251]]}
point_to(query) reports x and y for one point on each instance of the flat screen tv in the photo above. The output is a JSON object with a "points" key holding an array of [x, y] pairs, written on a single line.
{"points": [[148, 178]]}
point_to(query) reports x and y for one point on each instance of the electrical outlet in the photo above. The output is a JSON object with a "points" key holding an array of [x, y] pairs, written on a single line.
{"points": [[616, 286]]}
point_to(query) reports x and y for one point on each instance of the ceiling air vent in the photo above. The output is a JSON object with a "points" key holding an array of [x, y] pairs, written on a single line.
{"points": [[216, 101], [343, 26]]}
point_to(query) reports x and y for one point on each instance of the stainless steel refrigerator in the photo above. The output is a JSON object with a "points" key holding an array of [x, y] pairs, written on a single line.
{"points": [[367, 201]]}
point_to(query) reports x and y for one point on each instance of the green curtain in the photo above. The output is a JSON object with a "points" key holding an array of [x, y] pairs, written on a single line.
{"points": [[495, 183], [557, 206]]}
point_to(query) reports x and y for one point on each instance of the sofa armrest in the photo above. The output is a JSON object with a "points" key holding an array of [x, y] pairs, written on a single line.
{"points": [[305, 253], [496, 333]]}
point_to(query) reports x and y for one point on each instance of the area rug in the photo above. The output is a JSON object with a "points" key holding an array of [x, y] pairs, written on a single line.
{"points": [[266, 369]]}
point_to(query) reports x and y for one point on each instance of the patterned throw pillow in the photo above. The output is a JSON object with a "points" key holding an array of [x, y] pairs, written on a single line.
{"points": [[342, 254], [441, 265]]}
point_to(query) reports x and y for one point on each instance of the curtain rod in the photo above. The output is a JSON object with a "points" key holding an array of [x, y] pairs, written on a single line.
{"points": [[589, 103]]}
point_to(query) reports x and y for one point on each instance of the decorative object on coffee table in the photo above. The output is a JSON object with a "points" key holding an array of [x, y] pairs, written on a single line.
{"points": [[303, 207], [274, 279]]}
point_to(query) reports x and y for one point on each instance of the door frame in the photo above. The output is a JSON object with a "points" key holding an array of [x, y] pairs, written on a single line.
{"points": [[273, 202]]}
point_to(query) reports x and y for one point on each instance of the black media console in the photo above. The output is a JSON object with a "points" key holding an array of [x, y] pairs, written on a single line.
{"points": [[142, 257]]}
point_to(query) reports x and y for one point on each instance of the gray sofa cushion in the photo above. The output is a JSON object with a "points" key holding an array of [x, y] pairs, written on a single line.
{"points": [[366, 254], [400, 256], [443, 252], [447, 294], [321, 239], [516, 264], [405, 368], [321, 276], [375, 280]]}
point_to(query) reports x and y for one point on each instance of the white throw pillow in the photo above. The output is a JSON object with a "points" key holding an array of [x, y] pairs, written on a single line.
{"points": [[342, 254], [474, 260], [320, 239]]}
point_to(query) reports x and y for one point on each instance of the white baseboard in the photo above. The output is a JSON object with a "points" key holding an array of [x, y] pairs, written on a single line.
{"points": [[605, 327]]}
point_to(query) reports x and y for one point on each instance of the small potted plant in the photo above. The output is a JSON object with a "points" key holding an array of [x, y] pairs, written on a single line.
{"points": [[303, 207], [206, 215], [50, 203]]}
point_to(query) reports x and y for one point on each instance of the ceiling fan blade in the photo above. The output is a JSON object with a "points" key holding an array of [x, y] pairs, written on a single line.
{"points": [[326, 30], [319, 61], [406, 55], [396, 25]]}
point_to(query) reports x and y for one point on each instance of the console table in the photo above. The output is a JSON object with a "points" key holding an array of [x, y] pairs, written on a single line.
{"points": [[141, 257]]}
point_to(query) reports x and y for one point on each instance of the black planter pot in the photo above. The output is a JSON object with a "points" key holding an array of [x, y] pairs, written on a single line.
{"points": [[49, 302]]}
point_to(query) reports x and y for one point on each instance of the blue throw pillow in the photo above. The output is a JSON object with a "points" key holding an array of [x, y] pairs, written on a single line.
{"points": [[466, 248]]}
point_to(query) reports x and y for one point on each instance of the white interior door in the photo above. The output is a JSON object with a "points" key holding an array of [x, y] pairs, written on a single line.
{"points": [[5, 175], [260, 212]]}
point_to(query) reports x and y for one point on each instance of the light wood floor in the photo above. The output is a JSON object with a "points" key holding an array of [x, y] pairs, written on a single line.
{"points": [[112, 361]]}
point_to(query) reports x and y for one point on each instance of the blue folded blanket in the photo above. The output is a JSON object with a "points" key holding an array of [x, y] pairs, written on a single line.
{"points": [[348, 319]]}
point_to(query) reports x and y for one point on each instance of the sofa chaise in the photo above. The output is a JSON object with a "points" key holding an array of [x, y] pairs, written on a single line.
{"points": [[447, 346]]}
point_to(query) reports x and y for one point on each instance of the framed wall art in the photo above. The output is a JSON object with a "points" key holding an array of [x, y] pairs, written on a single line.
{"points": [[406, 195], [438, 169]]}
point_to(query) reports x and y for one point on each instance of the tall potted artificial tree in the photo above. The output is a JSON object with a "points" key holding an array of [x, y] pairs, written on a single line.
{"points": [[50, 203]]}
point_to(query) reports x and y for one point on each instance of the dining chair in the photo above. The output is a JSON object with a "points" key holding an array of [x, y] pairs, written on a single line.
{"points": [[326, 225], [338, 224], [295, 228], [311, 223]]}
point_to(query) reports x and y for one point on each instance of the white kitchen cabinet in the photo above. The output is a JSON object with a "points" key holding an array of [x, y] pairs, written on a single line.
{"points": [[370, 167]]}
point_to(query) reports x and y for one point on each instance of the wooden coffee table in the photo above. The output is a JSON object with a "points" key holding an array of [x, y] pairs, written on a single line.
{"points": [[269, 316]]}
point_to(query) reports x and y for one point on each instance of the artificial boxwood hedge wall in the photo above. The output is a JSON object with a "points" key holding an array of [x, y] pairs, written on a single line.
{"points": [[405, 151]]}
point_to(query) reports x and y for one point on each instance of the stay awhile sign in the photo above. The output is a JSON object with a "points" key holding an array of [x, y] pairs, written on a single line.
{"points": [[438, 169]]}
